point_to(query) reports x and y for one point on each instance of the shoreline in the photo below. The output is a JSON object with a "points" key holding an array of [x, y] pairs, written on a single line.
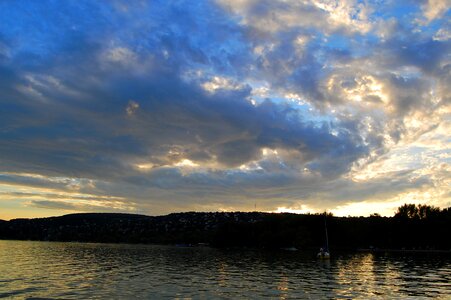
{"points": [[283, 249]]}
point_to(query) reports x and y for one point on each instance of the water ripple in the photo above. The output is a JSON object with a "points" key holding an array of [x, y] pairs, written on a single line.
{"points": [[98, 271]]}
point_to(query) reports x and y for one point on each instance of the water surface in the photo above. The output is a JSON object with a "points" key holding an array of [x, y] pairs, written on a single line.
{"points": [[104, 271]]}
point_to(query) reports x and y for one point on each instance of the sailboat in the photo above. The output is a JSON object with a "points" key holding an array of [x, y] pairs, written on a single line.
{"points": [[324, 252]]}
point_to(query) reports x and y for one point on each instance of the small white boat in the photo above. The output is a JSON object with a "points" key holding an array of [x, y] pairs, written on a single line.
{"points": [[323, 254], [289, 249]]}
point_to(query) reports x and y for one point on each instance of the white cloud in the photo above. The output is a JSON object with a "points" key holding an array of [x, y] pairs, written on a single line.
{"points": [[328, 15], [220, 83], [434, 9], [121, 55], [443, 35], [132, 107]]}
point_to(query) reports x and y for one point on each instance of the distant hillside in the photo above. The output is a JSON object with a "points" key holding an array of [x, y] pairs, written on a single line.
{"points": [[187, 227], [240, 229]]}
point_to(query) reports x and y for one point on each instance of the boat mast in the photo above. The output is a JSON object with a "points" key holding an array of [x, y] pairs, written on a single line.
{"points": [[325, 226]]}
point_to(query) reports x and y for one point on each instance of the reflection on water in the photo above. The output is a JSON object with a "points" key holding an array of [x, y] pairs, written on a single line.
{"points": [[77, 270]]}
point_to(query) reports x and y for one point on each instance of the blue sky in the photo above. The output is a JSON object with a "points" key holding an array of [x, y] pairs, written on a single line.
{"points": [[162, 106]]}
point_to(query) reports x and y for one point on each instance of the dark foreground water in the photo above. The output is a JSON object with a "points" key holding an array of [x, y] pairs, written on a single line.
{"points": [[80, 271]]}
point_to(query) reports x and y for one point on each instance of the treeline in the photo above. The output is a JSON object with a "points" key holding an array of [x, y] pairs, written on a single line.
{"points": [[412, 227]]}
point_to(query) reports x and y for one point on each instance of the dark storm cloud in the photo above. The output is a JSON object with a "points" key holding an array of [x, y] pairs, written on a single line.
{"points": [[76, 122], [53, 205], [67, 206]]}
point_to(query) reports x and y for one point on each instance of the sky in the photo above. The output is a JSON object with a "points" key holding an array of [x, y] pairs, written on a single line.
{"points": [[155, 107]]}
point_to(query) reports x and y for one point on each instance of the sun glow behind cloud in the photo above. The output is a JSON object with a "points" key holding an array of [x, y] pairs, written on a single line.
{"points": [[300, 106]]}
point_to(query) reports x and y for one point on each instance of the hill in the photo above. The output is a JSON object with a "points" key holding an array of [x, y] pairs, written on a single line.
{"points": [[240, 229]]}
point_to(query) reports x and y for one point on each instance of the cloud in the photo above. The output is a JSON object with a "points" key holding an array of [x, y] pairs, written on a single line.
{"points": [[278, 101], [330, 16], [435, 9], [132, 107], [67, 206]]}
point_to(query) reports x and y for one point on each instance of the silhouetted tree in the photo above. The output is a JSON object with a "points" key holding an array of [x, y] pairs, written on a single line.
{"points": [[426, 211], [420, 211], [409, 211]]}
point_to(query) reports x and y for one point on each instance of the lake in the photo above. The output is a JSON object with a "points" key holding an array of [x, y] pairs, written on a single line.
{"points": [[102, 271]]}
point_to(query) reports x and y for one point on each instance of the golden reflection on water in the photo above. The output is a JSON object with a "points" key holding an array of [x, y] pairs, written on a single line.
{"points": [[283, 286], [358, 268], [363, 274], [222, 274]]}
